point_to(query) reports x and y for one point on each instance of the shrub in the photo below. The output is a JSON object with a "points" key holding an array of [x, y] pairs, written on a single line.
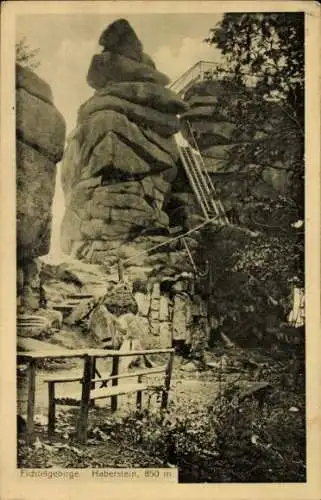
{"points": [[227, 441]]}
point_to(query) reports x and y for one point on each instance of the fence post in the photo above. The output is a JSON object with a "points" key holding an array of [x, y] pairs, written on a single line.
{"points": [[51, 408], [114, 382], [168, 376], [92, 384], [31, 399], [85, 399], [139, 394]]}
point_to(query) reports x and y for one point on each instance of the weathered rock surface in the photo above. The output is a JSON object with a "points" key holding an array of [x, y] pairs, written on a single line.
{"points": [[87, 277], [103, 328], [113, 159], [29, 285], [120, 37], [32, 326], [207, 114], [135, 328], [166, 144], [40, 125], [162, 123], [182, 317], [120, 300], [112, 67], [81, 311], [38, 325], [34, 345], [199, 100], [40, 136], [98, 229], [74, 288], [218, 152], [222, 129], [35, 181], [29, 81], [107, 121], [146, 94]]}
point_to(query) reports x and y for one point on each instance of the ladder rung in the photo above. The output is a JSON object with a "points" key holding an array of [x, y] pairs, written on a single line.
{"points": [[202, 184], [196, 184]]}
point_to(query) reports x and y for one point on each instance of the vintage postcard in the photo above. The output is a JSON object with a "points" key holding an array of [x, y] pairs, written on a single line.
{"points": [[160, 281]]}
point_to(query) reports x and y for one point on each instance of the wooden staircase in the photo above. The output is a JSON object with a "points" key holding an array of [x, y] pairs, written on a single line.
{"points": [[200, 180]]}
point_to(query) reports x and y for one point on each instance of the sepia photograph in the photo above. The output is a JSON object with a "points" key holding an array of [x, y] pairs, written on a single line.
{"points": [[160, 211]]}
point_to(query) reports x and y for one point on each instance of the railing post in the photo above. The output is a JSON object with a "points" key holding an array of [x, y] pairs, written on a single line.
{"points": [[139, 394], [85, 398], [114, 382], [31, 399], [51, 408], [93, 385], [167, 384]]}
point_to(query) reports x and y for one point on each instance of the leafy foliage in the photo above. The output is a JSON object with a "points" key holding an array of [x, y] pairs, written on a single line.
{"points": [[264, 71], [250, 282], [228, 440], [25, 55], [260, 89]]}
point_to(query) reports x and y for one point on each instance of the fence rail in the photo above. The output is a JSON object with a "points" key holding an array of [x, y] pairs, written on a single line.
{"points": [[88, 392], [200, 71]]}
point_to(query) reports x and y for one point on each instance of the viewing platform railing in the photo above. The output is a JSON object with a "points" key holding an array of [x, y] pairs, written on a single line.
{"points": [[202, 70]]}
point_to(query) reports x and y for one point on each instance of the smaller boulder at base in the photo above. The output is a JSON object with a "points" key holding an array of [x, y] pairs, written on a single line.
{"points": [[103, 328]]}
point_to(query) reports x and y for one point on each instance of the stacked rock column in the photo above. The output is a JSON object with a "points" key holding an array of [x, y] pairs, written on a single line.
{"points": [[121, 158], [40, 137]]}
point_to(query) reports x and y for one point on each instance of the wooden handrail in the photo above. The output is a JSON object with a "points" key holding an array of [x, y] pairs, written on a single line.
{"points": [[137, 373], [64, 353], [62, 378], [102, 353], [132, 374], [198, 69], [98, 353]]}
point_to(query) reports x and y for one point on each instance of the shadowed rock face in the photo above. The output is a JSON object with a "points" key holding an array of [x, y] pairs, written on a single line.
{"points": [[40, 134], [121, 158]]}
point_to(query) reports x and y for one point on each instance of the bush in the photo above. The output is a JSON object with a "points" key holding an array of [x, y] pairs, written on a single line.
{"points": [[227, 441]]}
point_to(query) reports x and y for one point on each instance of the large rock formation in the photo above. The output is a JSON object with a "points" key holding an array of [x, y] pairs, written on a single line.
{"points": [[117, 174], [40, 136], [121, 158]]}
